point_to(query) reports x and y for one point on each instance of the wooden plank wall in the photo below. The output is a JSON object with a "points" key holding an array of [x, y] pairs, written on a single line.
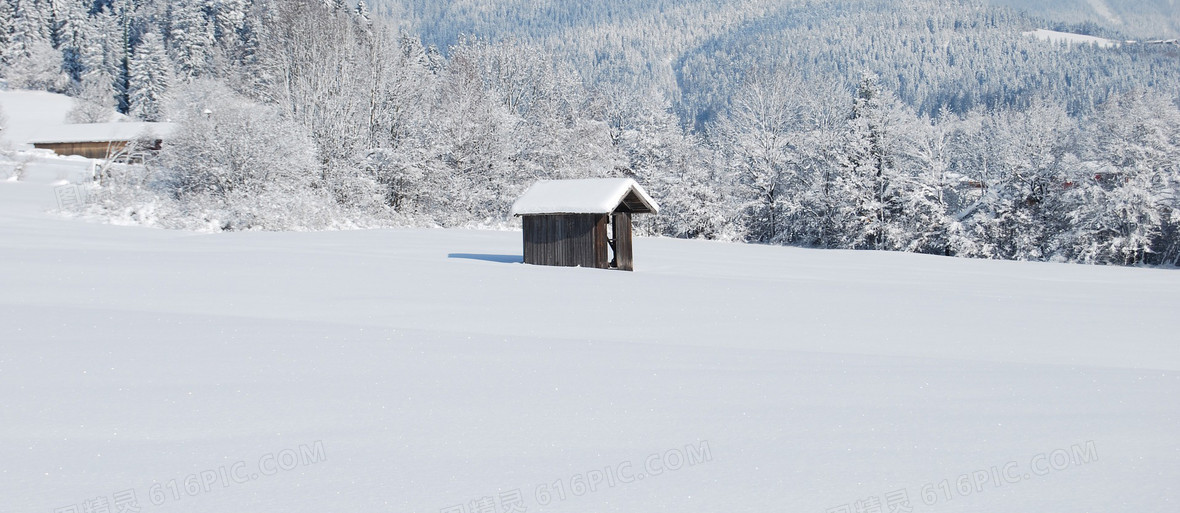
{"points": [[90, 150], [622, 233], [569, 240]]}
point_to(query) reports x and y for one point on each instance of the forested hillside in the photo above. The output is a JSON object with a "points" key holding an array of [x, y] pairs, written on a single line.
{"points": [[1145, 18], [926, 126], [958, 54]]}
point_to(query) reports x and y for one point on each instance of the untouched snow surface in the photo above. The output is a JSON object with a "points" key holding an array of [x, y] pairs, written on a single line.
{"points": [[28, 113], [1068, 38], [424, 371], [38, 115]]}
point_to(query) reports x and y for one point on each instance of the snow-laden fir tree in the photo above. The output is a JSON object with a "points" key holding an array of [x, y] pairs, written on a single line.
{"points": [[192, 39], [867, 170], [1019, 180], [362, 13], [31, 21], [230, 18], [33, 62], [71, 34], [150, 74], [7, 27]]}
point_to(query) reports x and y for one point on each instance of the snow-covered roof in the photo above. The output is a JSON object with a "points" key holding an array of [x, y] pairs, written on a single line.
{"points": [[586, 196], [101, 132]]}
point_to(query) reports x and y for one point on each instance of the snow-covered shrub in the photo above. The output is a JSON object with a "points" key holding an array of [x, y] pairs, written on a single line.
{"points": [[244, 161]]}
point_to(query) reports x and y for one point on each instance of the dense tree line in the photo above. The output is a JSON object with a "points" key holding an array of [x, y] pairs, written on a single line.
{"points": [[301, 114], [1032, 183]]}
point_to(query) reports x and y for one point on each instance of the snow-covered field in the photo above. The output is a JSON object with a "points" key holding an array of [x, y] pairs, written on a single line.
{"points": [[1068, 38], [424, 371], [28, 115]]}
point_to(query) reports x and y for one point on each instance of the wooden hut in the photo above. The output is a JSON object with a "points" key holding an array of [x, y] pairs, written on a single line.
{"points": [[101, 140], [581, 223]]}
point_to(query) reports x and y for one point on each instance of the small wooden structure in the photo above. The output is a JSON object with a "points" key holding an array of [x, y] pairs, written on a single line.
{"points": [[567, 222], [101, 140]]}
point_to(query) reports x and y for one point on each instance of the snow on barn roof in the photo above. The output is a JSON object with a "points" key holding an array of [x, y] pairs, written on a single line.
{"points": [[586, 196], [101, 132]]}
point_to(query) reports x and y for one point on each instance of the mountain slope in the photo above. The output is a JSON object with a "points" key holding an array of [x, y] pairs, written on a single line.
{"points": [[1139, 19]]}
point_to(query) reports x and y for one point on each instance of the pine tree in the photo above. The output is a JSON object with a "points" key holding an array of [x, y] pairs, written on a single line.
{"points": [[102, 57], [7, 27], [71, 35], [150, 76], [230, 18], [866, 169], [32, 61], [30, 25], [362, 13], [191, 40]]}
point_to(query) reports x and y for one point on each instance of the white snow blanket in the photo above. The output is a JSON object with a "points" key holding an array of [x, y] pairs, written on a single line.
{"points": [[28, 112], [1069, 38], [429, 371]]}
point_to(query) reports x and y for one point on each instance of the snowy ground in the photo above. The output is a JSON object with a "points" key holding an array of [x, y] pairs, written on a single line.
{"points": [[26, 115], [419, 371], [1068, 38], [31, 112]]}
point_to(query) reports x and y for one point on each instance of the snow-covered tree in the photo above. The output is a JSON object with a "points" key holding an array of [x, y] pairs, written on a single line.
{"points": [[150, 75], [759, 138], [192, 39], [94, 100], [242, 164], [37, 66], [71, 35], [230, 19], [1125, 200], [362, 13], [7, 29]]}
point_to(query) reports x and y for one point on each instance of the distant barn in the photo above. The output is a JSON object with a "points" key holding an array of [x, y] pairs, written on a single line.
{"points": [[100, 140], [567, 222]]}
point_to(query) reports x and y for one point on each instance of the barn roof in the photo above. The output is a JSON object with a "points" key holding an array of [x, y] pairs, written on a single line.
{"points": [[101, 132], [586, 196]]}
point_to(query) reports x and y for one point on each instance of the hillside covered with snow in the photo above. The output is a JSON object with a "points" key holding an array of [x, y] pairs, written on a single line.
{"points": [[429, 371]]}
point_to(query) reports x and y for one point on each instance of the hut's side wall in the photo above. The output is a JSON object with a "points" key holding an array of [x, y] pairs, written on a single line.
{"points": [[622, 228], [568, 240], [91, 150]]}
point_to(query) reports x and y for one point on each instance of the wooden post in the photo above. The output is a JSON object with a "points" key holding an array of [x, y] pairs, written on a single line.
{"points": [[624, 260]]}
